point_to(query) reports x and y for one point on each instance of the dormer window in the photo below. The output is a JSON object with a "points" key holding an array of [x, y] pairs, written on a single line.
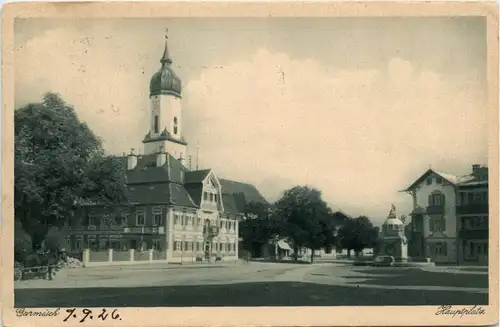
{"points": [[175, 126], [429, 181], [439, 180]]}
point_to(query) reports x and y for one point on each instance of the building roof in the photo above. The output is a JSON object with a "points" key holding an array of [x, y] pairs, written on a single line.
{"points": [[165, 81], [453, 179], [236, 195], [174, 184], [196, 176]]}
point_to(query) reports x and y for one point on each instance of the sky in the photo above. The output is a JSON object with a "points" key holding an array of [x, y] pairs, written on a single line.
{"points": [[356, 107]]}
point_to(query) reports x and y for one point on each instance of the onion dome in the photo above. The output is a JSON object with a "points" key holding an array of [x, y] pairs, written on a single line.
{"points": [[392, 223], [165, 81]]}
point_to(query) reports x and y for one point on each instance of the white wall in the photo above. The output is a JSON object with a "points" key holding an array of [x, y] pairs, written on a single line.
{"points": [[448, 190]]}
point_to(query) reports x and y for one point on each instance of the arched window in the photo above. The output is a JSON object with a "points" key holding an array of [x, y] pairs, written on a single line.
{"points": [[156, 123], [436, 199], [175, 125]]}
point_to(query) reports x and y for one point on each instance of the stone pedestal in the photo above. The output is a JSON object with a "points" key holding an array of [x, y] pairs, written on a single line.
{"points": [[395, 246]]}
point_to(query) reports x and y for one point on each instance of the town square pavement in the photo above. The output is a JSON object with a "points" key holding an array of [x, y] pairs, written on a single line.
{"points": [[253, 284]]}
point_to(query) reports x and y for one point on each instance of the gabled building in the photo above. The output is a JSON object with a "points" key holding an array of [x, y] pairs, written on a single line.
{"points": [[450, 217], [179, 213]]}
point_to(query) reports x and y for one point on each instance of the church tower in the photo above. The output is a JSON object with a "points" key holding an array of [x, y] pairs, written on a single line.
{"points": [[165, 123]]}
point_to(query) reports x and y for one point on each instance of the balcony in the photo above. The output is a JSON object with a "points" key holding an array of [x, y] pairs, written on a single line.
{"points": [[144, 230], [473, 234], [435, 210], [472, 208]]}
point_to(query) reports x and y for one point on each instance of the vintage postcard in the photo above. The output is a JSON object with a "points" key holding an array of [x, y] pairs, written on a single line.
{"points": [[253, 164]]}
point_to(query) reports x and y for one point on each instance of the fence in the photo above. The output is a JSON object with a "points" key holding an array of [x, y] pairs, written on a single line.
{"points": [[110, 256]]}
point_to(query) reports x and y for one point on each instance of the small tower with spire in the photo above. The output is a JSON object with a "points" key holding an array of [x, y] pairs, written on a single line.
{"points": [[165, 124]]}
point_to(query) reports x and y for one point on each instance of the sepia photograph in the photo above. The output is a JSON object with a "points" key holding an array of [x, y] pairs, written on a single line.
{"points": [[268, 161]]}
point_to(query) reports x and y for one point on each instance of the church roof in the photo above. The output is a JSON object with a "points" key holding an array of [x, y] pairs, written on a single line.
{"points": [[165, 81]]}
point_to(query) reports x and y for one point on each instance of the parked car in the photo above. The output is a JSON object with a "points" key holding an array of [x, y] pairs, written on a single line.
{"points": [[363, 261], [383, 261]]}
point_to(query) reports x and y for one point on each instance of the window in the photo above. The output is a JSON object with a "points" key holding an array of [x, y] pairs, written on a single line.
{"points": [[157, 217], [140, 217], [176, 219], [215, 197], [220, 247], [211, 197], [439, 180], [122, 219], [199, 221], [156, 245], [439, 249], [205, 196], [429, 180], [177, 246], [92, 220], [78, 244], [478, 223], [156, 125], [185, 245], [436, 199], [175, 126], [438, 224]]}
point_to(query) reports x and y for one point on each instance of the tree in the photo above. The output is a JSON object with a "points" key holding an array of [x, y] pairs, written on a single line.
{"points": [[59, 164], [258, 227], [358, 234], [303, 218]]}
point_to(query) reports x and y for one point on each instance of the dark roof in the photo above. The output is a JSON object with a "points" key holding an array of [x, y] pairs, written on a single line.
{"points": [[194, 191], [150, 184], [249, 191], [230, 204], [160, 193], [196, 176], [418, 210], [146, 170], [236, 195]]}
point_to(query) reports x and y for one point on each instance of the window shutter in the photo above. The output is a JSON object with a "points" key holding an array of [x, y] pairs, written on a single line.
{"points": [[443, 199]]}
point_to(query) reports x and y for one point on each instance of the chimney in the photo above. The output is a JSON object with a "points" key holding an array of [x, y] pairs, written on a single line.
{"points": [[131, 160], [161, 157], [475, 168]]}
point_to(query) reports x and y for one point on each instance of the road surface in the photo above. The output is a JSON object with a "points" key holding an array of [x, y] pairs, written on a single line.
{"points": [[252, 284]]}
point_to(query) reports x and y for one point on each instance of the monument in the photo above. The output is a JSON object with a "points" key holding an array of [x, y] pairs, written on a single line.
{"points": [[394, 242]]}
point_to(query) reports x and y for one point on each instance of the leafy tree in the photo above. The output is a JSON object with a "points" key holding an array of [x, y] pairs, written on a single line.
{"points": [[258, 227], [59, 163], [304, 218], [358, 234]]}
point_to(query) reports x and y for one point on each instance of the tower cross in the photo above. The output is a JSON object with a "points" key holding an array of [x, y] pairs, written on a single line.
{"points": [[166, 33]]}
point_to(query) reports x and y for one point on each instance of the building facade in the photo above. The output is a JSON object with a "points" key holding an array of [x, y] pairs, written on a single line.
{"points": [[449, 220], [177, 213]]}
